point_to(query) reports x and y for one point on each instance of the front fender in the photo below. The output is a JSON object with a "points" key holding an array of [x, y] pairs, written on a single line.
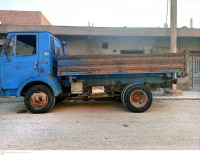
{"points": [[53, 82]]}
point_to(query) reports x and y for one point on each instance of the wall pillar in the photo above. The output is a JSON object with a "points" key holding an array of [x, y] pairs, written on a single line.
{"points": [[173, 26]]}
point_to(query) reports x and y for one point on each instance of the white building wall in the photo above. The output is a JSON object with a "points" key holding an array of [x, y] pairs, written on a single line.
{"points": [[93, 45]]}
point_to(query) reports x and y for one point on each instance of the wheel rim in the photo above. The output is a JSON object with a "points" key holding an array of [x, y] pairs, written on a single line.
{"points": [[138, 98], [39, 99]]}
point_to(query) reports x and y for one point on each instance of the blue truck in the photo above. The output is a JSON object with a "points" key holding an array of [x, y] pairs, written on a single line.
{"points": [[35, 65]]}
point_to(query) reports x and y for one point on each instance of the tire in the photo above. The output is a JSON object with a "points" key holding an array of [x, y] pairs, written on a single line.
{"points": [[39, 99], [137, 98], [122, 93]]}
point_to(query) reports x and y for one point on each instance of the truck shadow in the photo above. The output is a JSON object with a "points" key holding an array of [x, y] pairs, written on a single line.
{"points": [[102, 106], [88, 106]]}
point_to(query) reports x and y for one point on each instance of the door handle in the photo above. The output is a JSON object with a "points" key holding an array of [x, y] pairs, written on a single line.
{"points": [[35, 65]]}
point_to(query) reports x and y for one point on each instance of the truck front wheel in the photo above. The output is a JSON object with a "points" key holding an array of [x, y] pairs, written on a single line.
{"points": [[137, 98], [39, 99]]}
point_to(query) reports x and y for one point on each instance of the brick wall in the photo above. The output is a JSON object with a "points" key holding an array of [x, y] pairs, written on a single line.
{"points": [[23, 18]]}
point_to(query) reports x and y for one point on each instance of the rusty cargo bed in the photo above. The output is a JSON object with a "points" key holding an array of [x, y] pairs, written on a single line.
{"points": [[120, 64]]}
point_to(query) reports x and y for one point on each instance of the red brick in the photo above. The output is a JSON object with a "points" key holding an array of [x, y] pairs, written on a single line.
{"points": [[23, 18]]}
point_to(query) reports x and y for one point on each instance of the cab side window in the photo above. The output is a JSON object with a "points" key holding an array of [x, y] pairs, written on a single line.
{"points": [[52, 46], [26, 45]]}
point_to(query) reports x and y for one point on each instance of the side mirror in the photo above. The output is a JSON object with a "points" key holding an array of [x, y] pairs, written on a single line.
{"points": [[6, 48], [6, 45], [63, 43]]}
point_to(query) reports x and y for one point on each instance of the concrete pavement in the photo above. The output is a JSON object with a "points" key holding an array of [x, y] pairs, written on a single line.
{"points": [[101, 125], [187, 95]]}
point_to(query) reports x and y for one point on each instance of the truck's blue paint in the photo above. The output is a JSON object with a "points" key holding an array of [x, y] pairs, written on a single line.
{"points": [[124, 79], [52, 82], [119, 73], [21, 70], [41, 67], [154, 77]]}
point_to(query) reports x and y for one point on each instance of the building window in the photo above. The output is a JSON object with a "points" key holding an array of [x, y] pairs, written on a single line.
{"points": [[132, 51], [154, 51], [114, 51], [105, 45]]}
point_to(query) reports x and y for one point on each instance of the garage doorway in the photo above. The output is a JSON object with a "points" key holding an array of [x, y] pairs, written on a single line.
{"points": [[132, 51], [194, 70]]}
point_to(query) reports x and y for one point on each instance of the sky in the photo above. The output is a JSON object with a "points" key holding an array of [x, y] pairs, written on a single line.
{"points": [[109, 13]]}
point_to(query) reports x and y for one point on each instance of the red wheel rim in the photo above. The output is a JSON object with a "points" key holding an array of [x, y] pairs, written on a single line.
{"points": [[138, 98], [39, 99]]}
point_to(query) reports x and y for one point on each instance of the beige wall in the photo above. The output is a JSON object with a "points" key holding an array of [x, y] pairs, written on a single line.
{"points": [[189, 44], [93, 45]]}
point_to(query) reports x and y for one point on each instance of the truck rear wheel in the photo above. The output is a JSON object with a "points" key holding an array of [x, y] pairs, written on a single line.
{"points": [[39, 99], [137, 98], [122, 93]]}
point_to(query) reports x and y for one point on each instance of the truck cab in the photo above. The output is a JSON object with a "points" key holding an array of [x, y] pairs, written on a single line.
{"points": [[29, 58]]}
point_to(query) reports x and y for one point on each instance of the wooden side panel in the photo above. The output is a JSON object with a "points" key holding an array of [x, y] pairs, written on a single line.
{"points": [[105, 64]]}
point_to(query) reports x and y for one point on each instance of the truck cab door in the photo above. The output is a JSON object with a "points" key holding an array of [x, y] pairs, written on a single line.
{"points": [[23, 60]]}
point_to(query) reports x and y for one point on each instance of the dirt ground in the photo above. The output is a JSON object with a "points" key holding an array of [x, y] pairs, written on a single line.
{"points": [[101, 125]]}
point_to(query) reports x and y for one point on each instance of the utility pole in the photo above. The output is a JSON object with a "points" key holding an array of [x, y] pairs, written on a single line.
{"points": [[173, 26]]}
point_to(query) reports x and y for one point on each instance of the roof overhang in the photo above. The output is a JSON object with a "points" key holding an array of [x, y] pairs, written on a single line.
{"points": [[101, 31]]}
